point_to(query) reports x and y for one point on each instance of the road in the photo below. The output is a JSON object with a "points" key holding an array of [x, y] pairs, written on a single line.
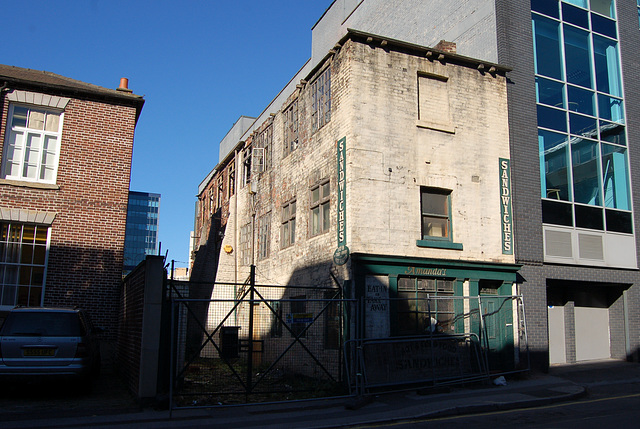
{"points": [[613, 406]]}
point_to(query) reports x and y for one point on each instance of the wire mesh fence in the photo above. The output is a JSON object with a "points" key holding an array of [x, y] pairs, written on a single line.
{"points": [[272, 343], [264, 344]]}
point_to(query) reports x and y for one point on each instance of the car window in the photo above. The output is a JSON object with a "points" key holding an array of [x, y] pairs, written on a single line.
{"points": [[42, 324]]}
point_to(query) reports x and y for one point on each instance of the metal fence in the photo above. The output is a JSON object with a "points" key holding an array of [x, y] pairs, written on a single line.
{"points": [[263, 344], [272, 343]]}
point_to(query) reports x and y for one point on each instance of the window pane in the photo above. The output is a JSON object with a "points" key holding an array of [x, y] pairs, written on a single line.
{"points": [[604, 26], [589, 217], [581, 100], [325, 217], [548, 7], [581, 3], [550, 92], [583, 126], [604, 7], [557, 213], [554, 157], [552, 118], [53, 122], [615, 177], [436, 204], [293, 231], [435, 227], [315, 195], [613, 133], [325, 190], [586, 185], [574, 15], [36, 120], [619, 221], [607, 66], [611, 108], [19, 117], [547, 47], [315, 220], [577, 56]]}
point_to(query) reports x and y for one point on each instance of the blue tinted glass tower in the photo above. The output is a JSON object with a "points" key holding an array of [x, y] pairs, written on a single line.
{"points": [[142, 228]]}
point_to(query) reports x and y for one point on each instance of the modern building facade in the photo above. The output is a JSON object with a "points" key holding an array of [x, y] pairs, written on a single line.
{"points": [[141, 238], [64, 185]]}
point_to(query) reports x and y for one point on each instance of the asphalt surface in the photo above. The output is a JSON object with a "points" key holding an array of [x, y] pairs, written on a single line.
{"points": [[111, 405]]}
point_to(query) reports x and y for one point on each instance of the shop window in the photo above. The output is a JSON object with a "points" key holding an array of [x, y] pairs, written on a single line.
{"points": [[425, 306]]}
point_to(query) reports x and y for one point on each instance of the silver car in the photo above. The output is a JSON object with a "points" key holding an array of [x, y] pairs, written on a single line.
{"points": [[43, 342]]}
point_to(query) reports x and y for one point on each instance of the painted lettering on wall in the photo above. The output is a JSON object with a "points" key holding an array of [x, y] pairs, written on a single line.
{"points": [[417, 271], [377, 306], [505, 207], [342, 192]]}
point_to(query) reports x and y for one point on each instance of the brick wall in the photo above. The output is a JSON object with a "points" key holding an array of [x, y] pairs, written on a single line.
{"points": [[87, 236]]}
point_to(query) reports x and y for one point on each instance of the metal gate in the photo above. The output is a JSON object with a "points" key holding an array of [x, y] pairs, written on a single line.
{"points": [[257, 343]]}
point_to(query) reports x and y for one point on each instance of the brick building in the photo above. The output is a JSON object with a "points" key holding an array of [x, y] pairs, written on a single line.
{"points": [[366, 172], [64, 185]]}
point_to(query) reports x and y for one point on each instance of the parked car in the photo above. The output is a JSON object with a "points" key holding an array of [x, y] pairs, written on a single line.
{"points": [[41, 342]]}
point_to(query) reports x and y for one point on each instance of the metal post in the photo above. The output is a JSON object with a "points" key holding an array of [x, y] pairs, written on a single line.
{"points": [[252, 284]]}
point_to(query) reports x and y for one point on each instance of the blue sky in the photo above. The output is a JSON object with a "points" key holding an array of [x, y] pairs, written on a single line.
{"points": [[199, 64]]}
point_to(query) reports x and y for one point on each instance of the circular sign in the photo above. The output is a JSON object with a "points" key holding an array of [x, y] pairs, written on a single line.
{"points": [[341, 255]]}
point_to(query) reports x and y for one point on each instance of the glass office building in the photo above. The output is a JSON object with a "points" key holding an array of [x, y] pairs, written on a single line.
{"points": [[142, 228]]}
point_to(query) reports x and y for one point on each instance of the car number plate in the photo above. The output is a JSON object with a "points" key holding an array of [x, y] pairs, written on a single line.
{"points": [[35, 351]]}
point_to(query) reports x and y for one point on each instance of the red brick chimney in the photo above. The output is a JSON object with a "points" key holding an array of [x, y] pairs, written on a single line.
{"points": [[444, 46]]}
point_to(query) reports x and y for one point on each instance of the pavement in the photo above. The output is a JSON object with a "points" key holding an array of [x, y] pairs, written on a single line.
{"points": [[111, 406]]}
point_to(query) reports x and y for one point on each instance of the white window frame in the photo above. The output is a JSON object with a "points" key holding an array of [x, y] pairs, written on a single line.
{"points": [[19, 160]]}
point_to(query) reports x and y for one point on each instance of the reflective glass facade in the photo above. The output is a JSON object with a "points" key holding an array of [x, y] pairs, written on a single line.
{"points": [[584, 167], [142, 228]]}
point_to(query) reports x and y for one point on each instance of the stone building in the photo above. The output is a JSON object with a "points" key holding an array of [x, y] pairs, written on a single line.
{"points": [[64, 186], [573, 115], [382, 168]]}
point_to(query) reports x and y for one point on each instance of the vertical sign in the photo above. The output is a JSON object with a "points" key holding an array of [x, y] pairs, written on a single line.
{"points": [[342, 252], [505, 207]]}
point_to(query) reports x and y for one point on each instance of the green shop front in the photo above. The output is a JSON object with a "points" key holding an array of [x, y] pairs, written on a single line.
{"points": [[418, 303]]}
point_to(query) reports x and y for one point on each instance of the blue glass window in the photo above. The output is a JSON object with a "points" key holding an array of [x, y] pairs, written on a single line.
{"points": [[554, 163], [585, 170], [574, 15], [547, 7], [583, 126], [607, 66], [550, 92], [615, 178], [603, 25], [547, 56], [613, 133], [552, 118], [581, 100], [611, 108], [577, 49]]}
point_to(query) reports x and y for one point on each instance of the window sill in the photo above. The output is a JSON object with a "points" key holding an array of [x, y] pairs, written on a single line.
{"points": [[438, 244], [35, 185]]}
